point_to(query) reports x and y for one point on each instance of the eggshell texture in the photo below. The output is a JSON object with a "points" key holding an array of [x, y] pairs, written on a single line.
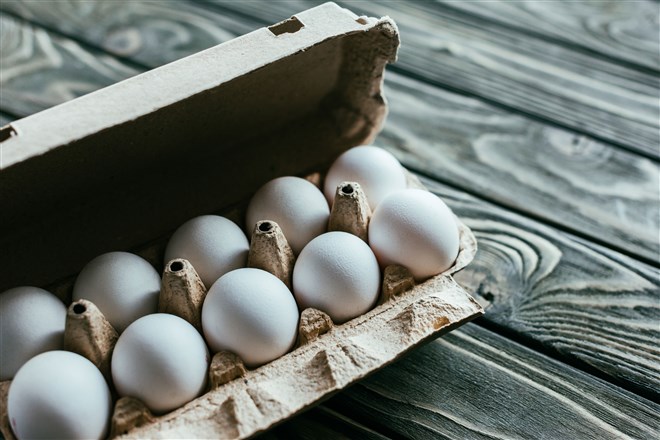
{"points": [[376, 170], [251, 313], [338, 274], [415, 229], [59, 394], [31, 322], [295, 204], [214, 245], [162, 360], [123, 286]]}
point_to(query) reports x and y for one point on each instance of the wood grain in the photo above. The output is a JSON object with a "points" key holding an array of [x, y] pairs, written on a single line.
{"points": [[574, 181], [619, 30], [321, 423], [40, 70], [577, 299], [149, 33], [474, 384], [5, 119], [596, 97]]}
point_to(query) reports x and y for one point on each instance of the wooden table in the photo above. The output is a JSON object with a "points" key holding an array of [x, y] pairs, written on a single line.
{"points": [[538, 122]]}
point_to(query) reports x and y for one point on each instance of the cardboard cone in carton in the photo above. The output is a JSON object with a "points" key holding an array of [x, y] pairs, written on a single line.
{"points": [[313, 323], [88, 333], [396, 280], [270, 251], [5, 427], [225, 367], [182, 292], [129, 413], [350, 211]]}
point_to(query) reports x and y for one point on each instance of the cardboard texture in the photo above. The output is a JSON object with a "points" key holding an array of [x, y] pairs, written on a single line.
{"points": [[129, 163], [121, 168]]}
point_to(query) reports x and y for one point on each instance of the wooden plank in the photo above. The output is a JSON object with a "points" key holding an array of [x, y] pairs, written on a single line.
{"points": [[474, 384], [579, 183], [40, 70], [5, 119], [577, 299], [569, 88], [321, 422], [620, 30], [467, 143], [149, 33]]}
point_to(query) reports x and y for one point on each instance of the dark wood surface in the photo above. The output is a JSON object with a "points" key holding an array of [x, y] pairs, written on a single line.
{"points": [[485, 386], [594, 96], [606, 28], [536, 121]]}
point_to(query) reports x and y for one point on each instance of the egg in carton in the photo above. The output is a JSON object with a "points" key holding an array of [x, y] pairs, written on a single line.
{"points": [[241, 402], [326, 358]]}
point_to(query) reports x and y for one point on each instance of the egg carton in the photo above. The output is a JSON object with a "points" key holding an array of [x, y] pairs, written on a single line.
{"points": [[334, 104], [239, 402]]}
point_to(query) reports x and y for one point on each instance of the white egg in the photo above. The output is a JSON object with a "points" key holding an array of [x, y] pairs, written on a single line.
{"points": [[59, 394], [376, 170], [31, 322], [338, 274], [251, 313], [295, 204], [214, 245], [123, 286], [161, 360], [415, 229]]}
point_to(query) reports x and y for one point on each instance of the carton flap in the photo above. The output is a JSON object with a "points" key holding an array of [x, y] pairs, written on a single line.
{"points": [[129, 163]]}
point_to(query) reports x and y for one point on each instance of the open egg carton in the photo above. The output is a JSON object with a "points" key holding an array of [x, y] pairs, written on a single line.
{"points": [[121, 168]]}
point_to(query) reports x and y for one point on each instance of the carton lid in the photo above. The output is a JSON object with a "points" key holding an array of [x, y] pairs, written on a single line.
{"points": [[129, 163]]}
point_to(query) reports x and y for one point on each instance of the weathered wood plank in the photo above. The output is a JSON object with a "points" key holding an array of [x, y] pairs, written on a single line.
{"points": [[5, 119], [581, 184], [456, 139], [620, 30], [149, 33], [580, 300], [321, 422], [40, 70], [566, 87], [474, 384]]}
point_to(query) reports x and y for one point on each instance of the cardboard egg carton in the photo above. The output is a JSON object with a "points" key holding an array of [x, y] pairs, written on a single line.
{"points": [[123, 167], [327, 357]]}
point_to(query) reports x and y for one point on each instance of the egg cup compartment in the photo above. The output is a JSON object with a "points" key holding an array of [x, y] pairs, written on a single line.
{"points": [[327, 357], [263, 105], [239, 402]]}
